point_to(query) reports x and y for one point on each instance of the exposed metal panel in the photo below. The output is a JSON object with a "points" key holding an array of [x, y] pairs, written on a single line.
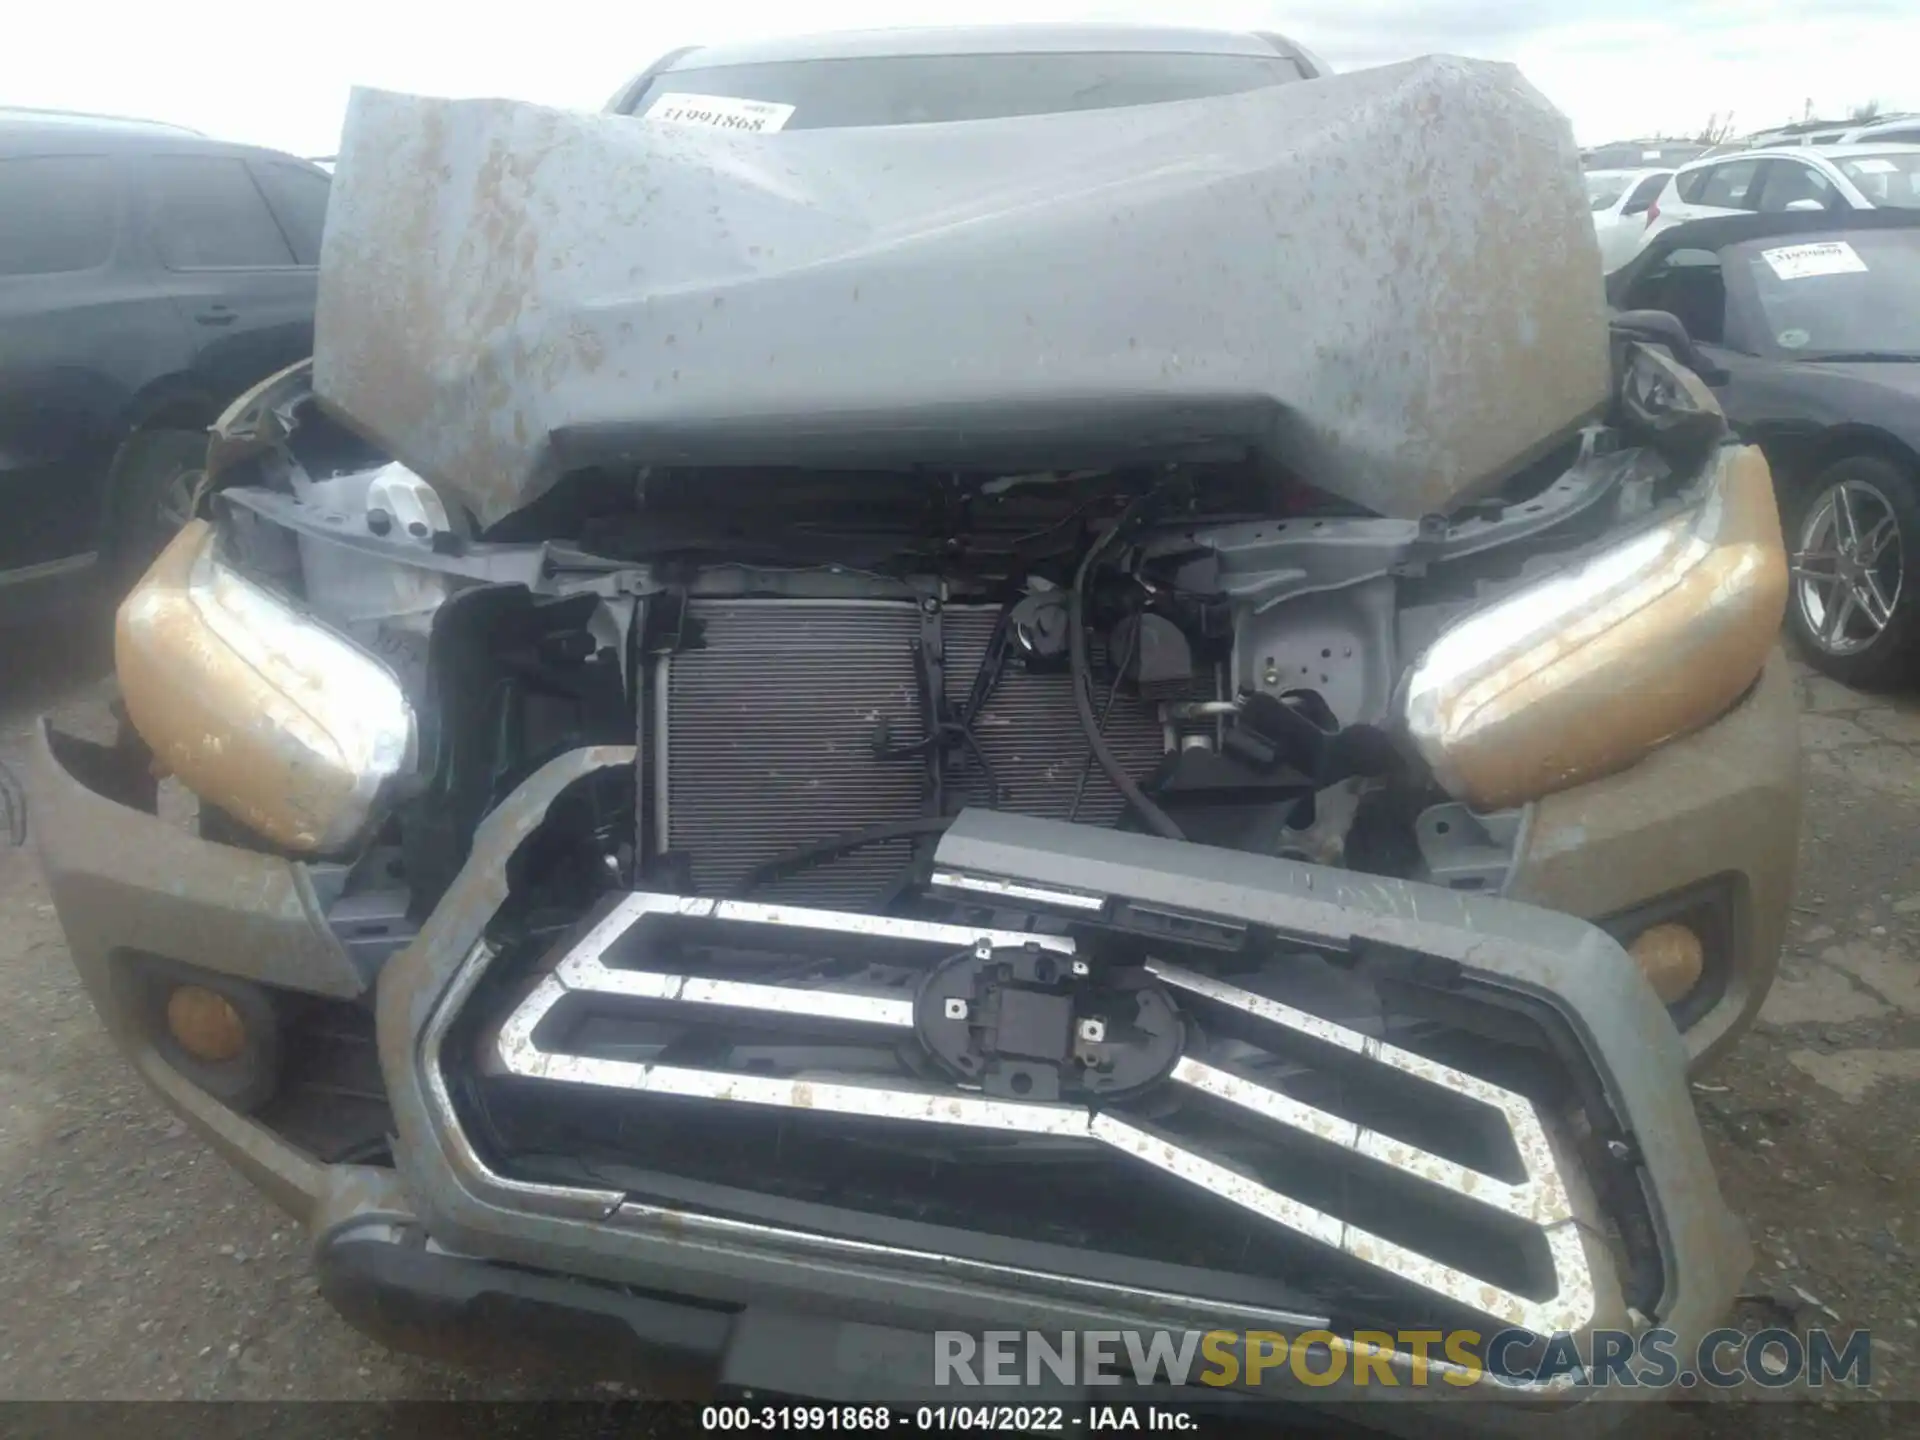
{"points": [[772, 729]]}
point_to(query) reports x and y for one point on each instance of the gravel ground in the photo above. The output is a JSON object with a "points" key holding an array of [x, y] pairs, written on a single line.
{"points": [[133, 1265]]}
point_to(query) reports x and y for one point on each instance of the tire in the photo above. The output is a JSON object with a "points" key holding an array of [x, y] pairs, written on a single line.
{"points": [[154, 479], [1854, 609]]}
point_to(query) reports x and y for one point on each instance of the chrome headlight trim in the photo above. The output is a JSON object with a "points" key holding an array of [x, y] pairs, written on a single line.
{"points": [[260, 709], [1582, 673], [338, 701], [342, 701]]}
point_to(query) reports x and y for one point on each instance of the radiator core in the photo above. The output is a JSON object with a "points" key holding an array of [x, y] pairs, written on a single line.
{"points": [[770, 732]]}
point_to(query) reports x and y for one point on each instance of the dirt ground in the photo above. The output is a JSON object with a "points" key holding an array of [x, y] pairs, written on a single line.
{"points": [[133, 1265]]}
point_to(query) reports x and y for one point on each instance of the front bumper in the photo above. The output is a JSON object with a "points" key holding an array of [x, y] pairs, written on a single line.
{"points": [[736, 1294], [1719, 809]]}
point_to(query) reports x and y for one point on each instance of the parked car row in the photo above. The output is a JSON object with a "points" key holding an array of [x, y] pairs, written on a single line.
{"points": [[1839, 179], [1807, 326], [1902, 128], [1637, 154], [1630, 207], [148, 275], [1795, 272]]}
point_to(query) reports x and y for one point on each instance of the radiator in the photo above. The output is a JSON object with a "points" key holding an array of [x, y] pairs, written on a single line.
{"points": [[766, 739]]}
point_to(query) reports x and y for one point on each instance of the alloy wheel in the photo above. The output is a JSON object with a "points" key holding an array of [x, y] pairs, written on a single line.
{"points": [[1848, 567]]}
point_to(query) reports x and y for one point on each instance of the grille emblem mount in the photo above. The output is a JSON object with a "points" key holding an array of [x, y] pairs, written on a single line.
{"points": [[1023, 1023]]}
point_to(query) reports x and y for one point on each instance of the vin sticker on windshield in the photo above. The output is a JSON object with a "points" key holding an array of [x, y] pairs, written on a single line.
{"points": [[1797, 262], [722, 112]]}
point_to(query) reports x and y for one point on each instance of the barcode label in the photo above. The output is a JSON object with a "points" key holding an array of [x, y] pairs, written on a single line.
{"points": [[722, 112]]}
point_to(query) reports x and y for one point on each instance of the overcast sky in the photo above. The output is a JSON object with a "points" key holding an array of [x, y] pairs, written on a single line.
{"points": [[276, 72]]}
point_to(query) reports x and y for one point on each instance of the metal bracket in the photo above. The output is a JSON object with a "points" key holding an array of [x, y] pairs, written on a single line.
{"points": [[1027, 1024], [1465, 850]]}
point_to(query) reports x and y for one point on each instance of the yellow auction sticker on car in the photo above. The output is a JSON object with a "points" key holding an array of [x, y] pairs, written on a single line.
{"points": [[722, 112]]}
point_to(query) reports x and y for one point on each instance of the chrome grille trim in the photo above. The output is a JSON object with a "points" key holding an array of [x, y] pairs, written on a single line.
{"points": [[611, 1207], [633, 907], [1011, 890], [1542, 1199], [744, 995]]}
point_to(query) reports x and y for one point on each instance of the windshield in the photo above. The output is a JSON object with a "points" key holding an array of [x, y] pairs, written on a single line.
{"points": [[1604, 190], [1854, 296], [1887, 180], [919, 89]]}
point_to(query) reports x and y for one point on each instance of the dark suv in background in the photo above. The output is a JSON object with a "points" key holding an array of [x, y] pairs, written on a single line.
{"points": [[148, 275]]}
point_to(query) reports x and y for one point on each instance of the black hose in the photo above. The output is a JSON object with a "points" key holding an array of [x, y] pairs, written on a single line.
{"points": [[952, 729], [972, 744], [1157, 820], [804, 857], [1106, 709]]}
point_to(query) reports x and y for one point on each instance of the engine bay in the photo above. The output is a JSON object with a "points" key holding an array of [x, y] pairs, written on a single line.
{"points": [[822, 670]]}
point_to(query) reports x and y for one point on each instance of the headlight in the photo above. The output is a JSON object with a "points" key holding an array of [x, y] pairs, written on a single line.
{"points": [[1583, 673], [277, 720]]}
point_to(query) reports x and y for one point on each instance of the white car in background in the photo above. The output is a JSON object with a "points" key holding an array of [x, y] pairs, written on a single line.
{"points": [[1620, 200], [1838, 178], [1900, 129]]}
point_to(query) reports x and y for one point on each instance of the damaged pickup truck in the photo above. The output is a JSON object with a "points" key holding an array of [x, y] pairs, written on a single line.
{"points": [[1119, 714]]}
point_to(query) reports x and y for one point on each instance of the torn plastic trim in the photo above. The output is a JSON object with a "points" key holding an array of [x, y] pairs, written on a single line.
{"points": [[497, 564], [1265, 562]]}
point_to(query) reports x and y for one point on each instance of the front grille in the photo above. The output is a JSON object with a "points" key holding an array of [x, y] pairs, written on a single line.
{"points": [[760, 1062], [772, 724]]}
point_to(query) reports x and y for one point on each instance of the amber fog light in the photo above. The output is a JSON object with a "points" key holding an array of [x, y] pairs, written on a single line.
{"points": [[1672, 958], [220, 1032], [205, 1024], [1685, 942]]}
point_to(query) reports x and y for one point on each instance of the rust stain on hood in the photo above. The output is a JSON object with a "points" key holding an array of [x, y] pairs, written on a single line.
{"points": [[1309, 271]]}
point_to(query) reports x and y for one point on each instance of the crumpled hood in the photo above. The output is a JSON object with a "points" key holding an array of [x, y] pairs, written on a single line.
{"points": [[1387, 282]]}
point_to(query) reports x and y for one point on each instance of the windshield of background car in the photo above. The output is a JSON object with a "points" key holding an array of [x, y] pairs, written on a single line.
{"points": [[1603, 190], [923, 89], [1889, 181], [1855, 294]]}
